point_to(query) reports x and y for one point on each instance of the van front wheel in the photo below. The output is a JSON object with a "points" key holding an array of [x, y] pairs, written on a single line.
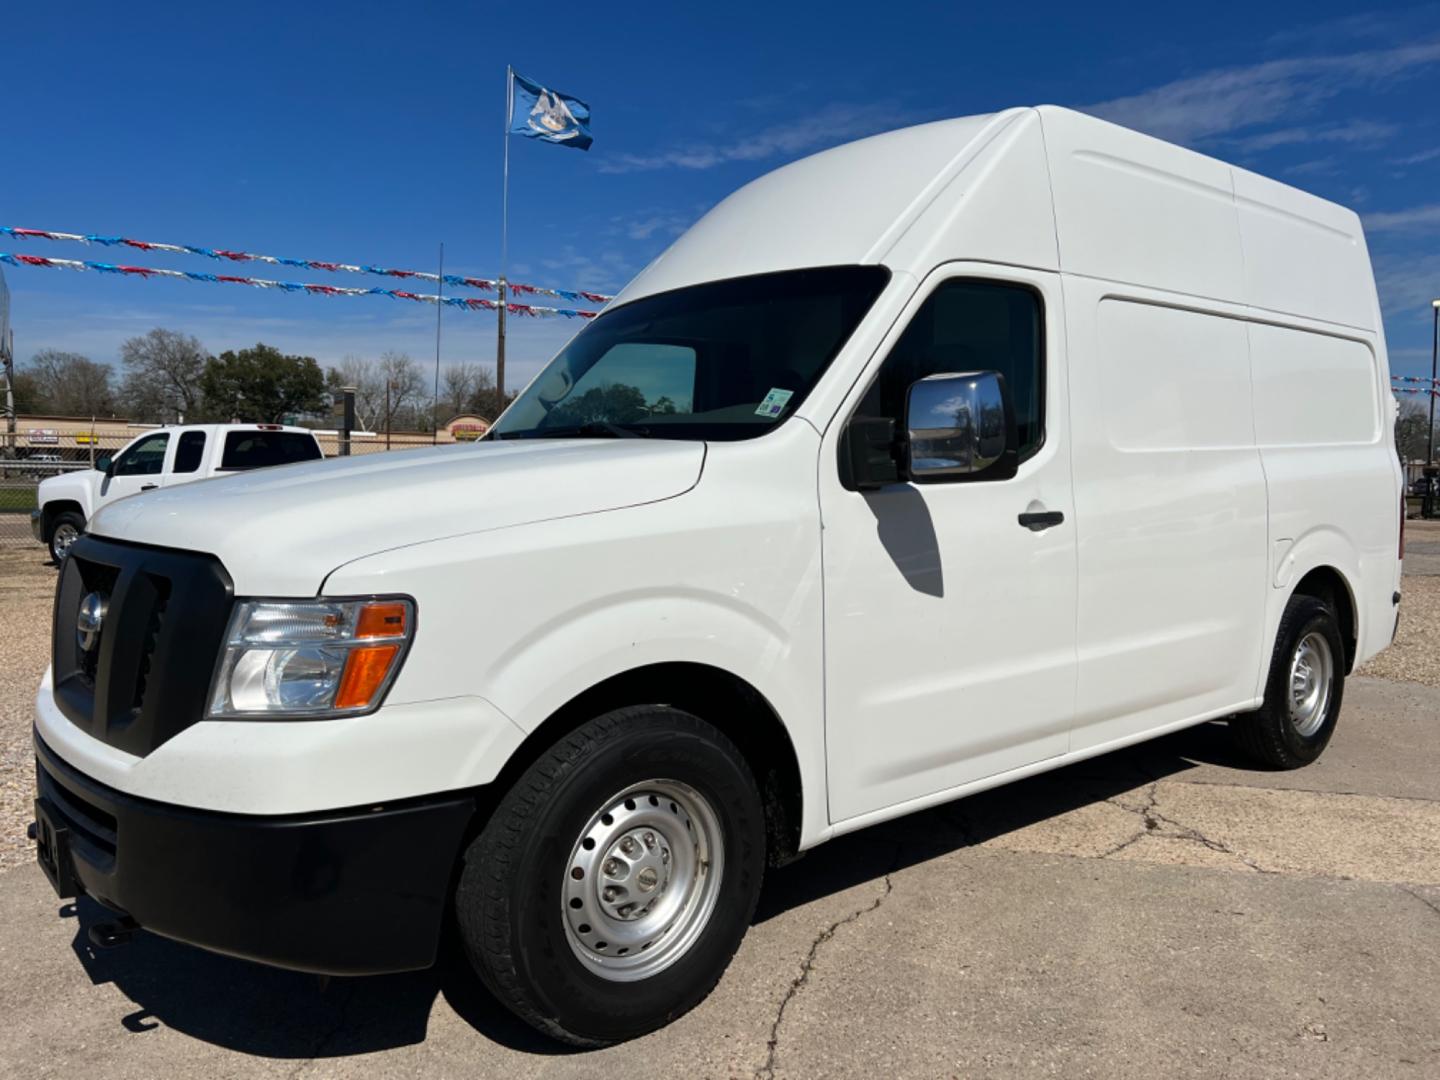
{"points": [[66, 529], [613, 883], [1303, 691]]}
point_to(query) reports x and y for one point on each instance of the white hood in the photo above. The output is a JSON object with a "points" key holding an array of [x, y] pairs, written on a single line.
{"points": [[77, 487], [280, 531]]}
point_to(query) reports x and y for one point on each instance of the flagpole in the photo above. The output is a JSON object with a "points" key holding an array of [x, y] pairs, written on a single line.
{"points": [[440, 307], [504, 239]]}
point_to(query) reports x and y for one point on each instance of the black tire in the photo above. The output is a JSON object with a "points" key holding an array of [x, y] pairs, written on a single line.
{"points": [[1270, 734], [66, 526], [508, 902]]}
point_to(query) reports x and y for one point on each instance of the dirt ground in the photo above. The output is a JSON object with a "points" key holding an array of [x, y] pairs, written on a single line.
{"points": [[27, 589]]}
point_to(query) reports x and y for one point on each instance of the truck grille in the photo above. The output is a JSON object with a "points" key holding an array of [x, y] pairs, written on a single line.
{"points": [[144, 676]]}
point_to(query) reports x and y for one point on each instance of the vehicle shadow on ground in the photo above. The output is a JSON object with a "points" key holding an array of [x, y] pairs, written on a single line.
{"points": [[279, 1014]]}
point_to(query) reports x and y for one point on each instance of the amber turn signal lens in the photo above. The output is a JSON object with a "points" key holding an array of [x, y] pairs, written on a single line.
{"points": [[382, 619], [365, 671]]}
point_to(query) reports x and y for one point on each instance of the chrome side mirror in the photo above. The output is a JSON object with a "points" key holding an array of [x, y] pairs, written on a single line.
{"points": [[960, 427]]}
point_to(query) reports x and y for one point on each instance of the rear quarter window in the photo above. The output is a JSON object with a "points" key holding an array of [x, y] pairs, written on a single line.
{"points": [[261, 449]]}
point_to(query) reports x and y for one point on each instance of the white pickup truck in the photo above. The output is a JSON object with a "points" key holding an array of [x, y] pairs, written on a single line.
{"points": [[160, 458]]}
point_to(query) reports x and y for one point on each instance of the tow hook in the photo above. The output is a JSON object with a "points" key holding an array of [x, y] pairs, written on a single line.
{"points": [[114, 933]]}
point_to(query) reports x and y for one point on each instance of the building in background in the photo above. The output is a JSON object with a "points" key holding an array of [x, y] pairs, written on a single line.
{"points": [[465, 428]]}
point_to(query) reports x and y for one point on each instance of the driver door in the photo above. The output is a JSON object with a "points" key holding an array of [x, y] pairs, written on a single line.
{"points": [[950, 647], [140, 467]]}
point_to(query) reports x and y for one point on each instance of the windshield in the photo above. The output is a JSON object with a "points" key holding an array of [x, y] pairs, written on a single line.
{"points": [[727, 360]]}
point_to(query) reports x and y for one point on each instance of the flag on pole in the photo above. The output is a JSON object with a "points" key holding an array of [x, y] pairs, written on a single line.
{"points": [[538, 113]]}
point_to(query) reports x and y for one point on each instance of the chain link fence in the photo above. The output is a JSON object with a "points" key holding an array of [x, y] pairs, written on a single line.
{"points": [[44, 447]]}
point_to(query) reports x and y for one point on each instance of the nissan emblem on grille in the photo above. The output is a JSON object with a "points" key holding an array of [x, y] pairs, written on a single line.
{"points": [[88, 621]]}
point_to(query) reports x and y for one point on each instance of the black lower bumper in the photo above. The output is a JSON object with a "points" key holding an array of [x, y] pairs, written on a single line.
{"points": [[353, 892]]}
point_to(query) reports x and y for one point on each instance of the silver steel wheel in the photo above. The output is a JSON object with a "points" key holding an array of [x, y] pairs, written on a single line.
{"points": [[1312, 672], [642, 880], [64, 535]]}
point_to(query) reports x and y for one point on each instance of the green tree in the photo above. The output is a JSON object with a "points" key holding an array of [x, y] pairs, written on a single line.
{"points": [[29, 398], [261, 385], [615, 403]]}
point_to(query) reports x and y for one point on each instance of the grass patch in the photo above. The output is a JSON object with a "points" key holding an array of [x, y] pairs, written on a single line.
{"points": [[17, 500]]}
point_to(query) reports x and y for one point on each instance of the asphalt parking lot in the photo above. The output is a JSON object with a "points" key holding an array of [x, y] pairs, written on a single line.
{"points": [[1167, 910]]}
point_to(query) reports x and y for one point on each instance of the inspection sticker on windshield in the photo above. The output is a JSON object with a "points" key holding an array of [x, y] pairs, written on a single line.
{"points": [[774, 403]]}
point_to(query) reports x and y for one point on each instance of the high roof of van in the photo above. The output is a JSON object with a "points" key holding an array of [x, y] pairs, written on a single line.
{"points": [[1044, 187]]}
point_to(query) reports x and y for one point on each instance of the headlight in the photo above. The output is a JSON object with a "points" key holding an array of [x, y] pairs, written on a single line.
{"points": [[311, 658]]}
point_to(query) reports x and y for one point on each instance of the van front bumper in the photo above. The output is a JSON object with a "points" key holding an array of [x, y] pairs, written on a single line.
{"points": [[352, 892]]}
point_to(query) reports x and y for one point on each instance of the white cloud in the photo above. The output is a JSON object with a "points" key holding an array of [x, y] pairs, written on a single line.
{"points": [[1325, 166], [1418, 159], [604, 270], [1407, 285], [1416, 217], [826, 126], [1233, 99], [657, 224], [1354, 132]]}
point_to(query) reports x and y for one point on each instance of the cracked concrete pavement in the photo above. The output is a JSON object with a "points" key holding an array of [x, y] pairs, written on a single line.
{"points": [[1163, 910]]}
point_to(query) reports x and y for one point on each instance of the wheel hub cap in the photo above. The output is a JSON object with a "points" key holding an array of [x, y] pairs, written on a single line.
{"points": [[642, 880], [65, 535], [1312, 669], [634, 873]]}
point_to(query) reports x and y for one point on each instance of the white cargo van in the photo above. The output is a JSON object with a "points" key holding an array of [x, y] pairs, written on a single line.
{"points": [[920, 465]]}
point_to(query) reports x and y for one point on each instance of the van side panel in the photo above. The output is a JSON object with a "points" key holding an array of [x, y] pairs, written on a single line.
{"points": [[1303, 255], [1325, 440], [1129, 208], [1170, 512], [1139, 218]]}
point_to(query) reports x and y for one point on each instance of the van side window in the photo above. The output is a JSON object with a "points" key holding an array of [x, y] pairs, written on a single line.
{"points": [[188, 451], [969, 325], [145, 458]]}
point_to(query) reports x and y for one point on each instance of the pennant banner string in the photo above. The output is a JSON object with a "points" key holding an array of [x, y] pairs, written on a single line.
{"points": [[483, 284], [469, 303]]}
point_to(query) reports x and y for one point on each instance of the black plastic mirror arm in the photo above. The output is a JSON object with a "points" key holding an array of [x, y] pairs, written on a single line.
{"points": [[869, 457]]}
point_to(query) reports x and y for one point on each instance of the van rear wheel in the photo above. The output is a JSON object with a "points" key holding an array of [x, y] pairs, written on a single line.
{"points": [[612, 885], [1303, 691]]}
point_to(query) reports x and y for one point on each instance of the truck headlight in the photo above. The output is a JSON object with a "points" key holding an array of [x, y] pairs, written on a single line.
{"points": [[311, 658]]}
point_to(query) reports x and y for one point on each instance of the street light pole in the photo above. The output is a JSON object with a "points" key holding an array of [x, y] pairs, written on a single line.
{"points": [[1434, 386]]}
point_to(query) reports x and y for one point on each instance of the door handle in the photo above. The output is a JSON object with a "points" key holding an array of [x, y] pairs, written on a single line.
{"points": [[1039, 521], [152, 487]]}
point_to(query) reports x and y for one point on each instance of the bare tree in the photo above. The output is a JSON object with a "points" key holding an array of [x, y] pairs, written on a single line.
{"points": [[162, 374], [1412, 434], [487, 400], [369, 390], [390, 391], [68, 384], [460, 382], [402, 390]]}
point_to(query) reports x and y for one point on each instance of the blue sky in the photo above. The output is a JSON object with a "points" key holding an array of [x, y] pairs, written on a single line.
{"points": [[371, 132]]}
